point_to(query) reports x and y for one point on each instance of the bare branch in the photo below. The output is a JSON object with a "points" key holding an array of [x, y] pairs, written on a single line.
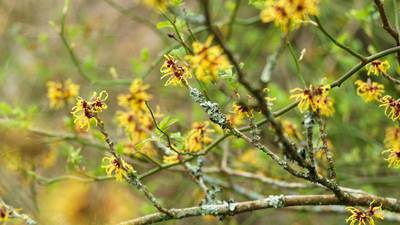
{"points": [[272, 201]]}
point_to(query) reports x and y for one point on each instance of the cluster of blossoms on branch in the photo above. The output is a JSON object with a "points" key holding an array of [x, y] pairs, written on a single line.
{"points": [[85, 111], [373, 91], [61, 93], [117, 167], [176, 73], [160, 5], [288, 14], [392, 145], [370, 90], [362, 217], [315, 99], [136, 120], [206, 62]]}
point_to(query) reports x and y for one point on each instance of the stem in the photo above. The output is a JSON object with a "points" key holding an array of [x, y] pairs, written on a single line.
{"points": [[232, 19], [67, 46], [386, 24], [347, 49]]}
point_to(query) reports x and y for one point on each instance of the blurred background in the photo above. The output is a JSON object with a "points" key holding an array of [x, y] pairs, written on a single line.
{"points": [[117, 41]]}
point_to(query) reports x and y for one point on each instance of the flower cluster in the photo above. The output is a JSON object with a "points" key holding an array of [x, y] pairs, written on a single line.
{"points": [[392, 107], [135, 123], [135, 119], [61, 93], [291, 131], [198, 137], [177, 74], [116, 166], [86, 111], [287, 14], [207, 60], [392, 144], [160, 5], [377, 67], [242, 110], [315, 99], [362, 217], [142, 150], [239, 113], [171, 159], [369, 91], [136, 97]]}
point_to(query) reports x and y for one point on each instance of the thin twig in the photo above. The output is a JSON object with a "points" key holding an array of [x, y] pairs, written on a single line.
{"points": [[328, 153], [386, 24], [232, 19], [347, 49], [390, 78]]}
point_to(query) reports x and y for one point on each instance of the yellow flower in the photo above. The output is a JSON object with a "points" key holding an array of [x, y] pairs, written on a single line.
{"points": [[198, 137], [249, 157], [61, 93], [377, 67], [392, 137], [137, 96], [238, 114], [177, 74], [369, 90], [243, 110], [375, 211], [301, 9], [117, 167], [315, 99], [291, 131], [86, 111], [235, 119], [137, 124], [288, 13], [4, 214], [171, 159], [161, 5], [362, 217], [392, 107], [207, 60], [394, 157]]}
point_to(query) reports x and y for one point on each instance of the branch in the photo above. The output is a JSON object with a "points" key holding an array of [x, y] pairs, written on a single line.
{"points": [[11, 212], [347, 49], [266, 180], [386, 24], [334, 84], [390, 78], [67, 46], [229, 209], [132, 178], [232, 19], [328, 153]]}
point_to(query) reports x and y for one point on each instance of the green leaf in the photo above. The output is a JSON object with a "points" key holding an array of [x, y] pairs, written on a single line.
{"points": [[144, 55], [179, 53], [259, 4], [166, 122], [164, 24]]}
